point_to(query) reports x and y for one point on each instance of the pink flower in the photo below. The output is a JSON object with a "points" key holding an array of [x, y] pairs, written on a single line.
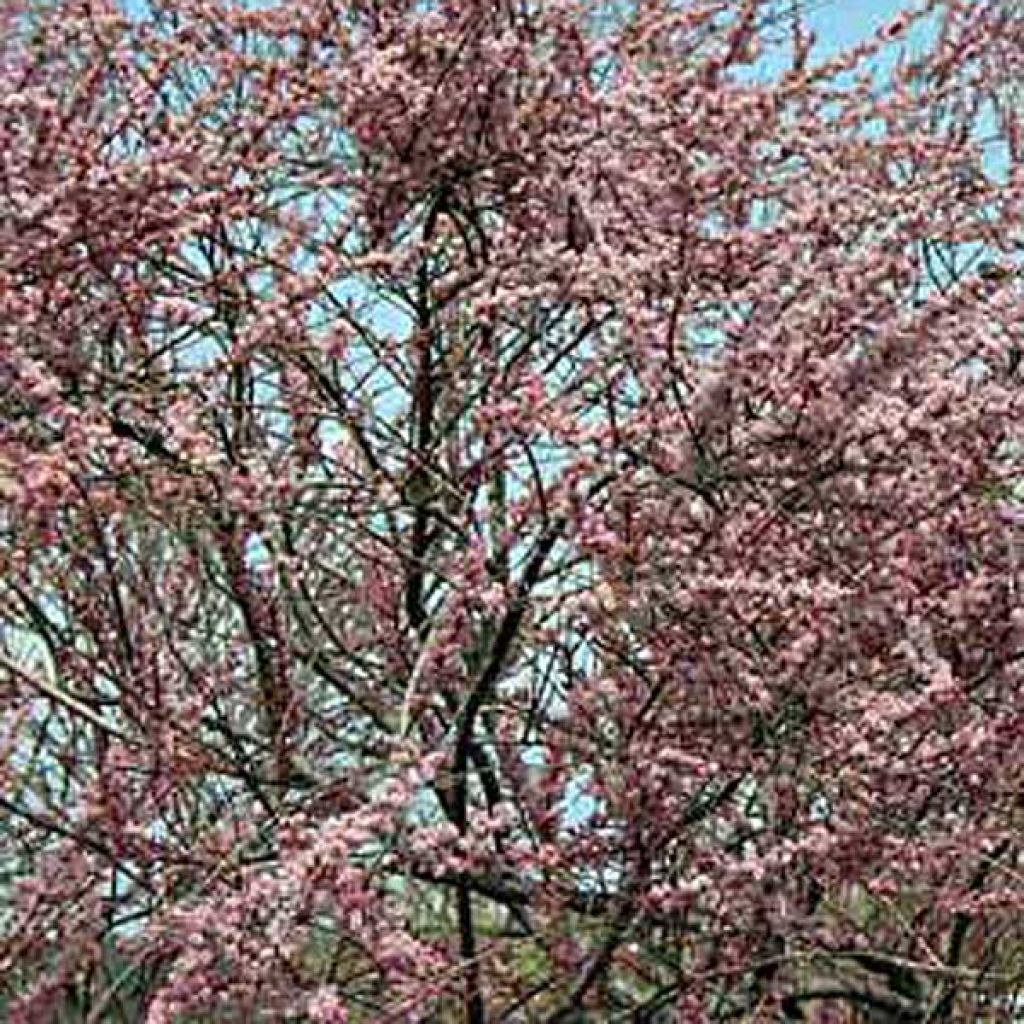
{"points": [[325, 1007]]}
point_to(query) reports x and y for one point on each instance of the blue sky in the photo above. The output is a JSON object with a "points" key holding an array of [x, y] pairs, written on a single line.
{"points": [[840, 23]]}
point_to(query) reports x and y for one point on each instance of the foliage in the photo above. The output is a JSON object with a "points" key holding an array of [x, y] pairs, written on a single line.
{"points": [[509, 513]]}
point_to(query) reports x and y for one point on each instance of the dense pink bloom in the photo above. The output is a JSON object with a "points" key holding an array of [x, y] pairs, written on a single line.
{"points": [[510, 512]]}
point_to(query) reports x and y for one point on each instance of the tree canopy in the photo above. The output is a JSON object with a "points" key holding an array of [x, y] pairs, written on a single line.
{"points": [[509, 512]]}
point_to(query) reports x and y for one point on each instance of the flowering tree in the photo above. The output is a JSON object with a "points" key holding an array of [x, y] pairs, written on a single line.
{"points": [[509, 513]]}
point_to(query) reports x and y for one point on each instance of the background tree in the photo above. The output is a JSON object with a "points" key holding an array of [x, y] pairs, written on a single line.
{"points": [[509, 514]]}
